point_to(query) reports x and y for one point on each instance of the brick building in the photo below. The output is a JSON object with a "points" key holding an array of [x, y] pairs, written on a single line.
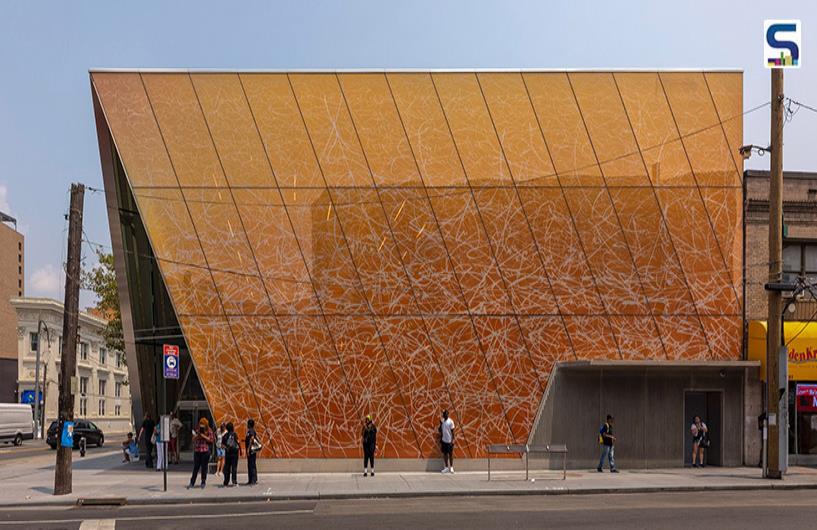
{"points": [[799, 239], [12, 285]]}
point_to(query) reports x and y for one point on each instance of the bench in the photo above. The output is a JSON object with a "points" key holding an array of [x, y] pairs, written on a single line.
{"points": [[523, 449]]}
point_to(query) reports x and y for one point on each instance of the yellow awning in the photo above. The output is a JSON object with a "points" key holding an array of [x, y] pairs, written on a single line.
{"points": [[801, 339]]}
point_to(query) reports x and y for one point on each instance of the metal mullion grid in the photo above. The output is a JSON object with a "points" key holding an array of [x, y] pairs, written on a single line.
{"points": [[255, 261], [663, 218], [618, 219], [345, 240], [698, 186], [723, 130], [204, 256], [394, 239], [533, 239], [607, 313], [493, 255], [442, 240]]}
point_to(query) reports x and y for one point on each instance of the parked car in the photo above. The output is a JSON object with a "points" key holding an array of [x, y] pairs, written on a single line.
{"points": [[16, 423], [93, 434]]}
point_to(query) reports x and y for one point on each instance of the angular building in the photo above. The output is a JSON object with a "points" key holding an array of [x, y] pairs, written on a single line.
{"points": [[328, 245]]}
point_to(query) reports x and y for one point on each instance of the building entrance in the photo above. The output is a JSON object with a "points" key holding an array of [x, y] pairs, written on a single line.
{"points": [[709, 406]]}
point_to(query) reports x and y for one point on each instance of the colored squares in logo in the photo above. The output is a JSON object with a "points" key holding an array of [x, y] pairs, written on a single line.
{"points": [[781, 46]]}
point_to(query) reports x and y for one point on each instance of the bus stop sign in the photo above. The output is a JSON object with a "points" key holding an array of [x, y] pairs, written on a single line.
{"points": [[171, 361]]}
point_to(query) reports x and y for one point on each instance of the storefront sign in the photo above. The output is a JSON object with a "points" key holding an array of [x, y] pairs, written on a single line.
{"points": [[806, 398], [801, 340]]}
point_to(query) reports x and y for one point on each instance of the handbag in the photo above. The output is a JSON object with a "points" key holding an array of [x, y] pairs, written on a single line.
{"points": [[256, 445]]}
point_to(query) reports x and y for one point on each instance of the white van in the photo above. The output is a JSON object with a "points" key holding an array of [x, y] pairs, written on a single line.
{"points": [[16, 423]]}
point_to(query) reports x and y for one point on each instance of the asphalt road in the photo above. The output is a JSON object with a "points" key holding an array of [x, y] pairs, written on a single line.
{"points": [[720, 510]]}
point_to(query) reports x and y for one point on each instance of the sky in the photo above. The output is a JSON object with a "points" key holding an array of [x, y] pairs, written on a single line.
{"points": [[47, 132]]}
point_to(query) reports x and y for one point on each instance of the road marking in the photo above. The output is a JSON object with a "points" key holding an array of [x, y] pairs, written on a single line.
{"points": [[98, 524], [156, 517]]}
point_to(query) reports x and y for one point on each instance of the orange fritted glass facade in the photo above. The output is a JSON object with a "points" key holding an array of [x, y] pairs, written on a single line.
{"points": [[343, 244]]}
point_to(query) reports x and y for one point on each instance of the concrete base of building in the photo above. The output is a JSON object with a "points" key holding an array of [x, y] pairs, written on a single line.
{"points": [[350, 465]]}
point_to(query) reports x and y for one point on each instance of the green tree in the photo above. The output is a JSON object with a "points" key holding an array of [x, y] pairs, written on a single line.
{"points": [[101, 279]]}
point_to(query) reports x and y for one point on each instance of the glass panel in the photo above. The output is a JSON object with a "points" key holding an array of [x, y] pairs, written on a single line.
{"points": [[481, 417], [184, 130], [592, 337], [607, 250], [724, 334], [725, 207], [220, 231], [427, 130], [276, 387], [698, 251], [331, 130], [470, 252], [647, 236], [381, 133], [282, 129], [727, 93], [191, 289], [375, 255], [133, 126], [637, 337], [276, 250], [241, 294], [609, 129], [424, 253], [561, 249], [167, 222], [683, 337], [513, 372], [810, 259], [336, 417], [564, 131], [368, 369], [325, 251], [421, 378], [218, 364], [473, 131], [698, 123], [519, 133], [792, 254], [231, 125], [547, 342], [515, 251]]}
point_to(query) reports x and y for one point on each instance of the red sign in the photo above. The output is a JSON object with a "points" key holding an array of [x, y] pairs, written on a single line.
{"points": [[806, 398]]}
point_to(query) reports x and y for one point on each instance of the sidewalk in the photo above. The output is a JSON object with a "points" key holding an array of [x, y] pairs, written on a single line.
{"points": [[100, 475]]}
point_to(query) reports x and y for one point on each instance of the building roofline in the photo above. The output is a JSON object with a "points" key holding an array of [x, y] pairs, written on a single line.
{"points": [[400, 70], [793, 175], [31, 302]]}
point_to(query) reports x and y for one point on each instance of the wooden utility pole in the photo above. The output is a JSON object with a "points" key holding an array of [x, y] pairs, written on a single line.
{"points": [[773, 324], [68, 363]]}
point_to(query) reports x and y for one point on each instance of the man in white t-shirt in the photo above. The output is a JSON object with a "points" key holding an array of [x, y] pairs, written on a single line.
{"points": [[447, 442]]}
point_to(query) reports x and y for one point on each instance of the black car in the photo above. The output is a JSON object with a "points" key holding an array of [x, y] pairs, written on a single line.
{"points": [[93, 434]]}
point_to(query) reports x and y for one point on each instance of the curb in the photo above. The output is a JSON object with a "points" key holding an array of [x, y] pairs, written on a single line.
{"points": [[142, 501]]}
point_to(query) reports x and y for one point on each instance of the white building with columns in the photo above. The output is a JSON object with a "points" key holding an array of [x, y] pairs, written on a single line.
{"points": [[103, 395]]}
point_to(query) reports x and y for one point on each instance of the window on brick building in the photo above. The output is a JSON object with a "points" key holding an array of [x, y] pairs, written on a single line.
{"points": [[799, 259]]}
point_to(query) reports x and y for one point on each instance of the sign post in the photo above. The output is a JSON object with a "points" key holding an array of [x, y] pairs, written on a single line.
{"points": [[164, 432]]}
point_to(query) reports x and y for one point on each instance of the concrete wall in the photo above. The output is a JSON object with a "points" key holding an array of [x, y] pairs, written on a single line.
{"points": [[648, 404]]}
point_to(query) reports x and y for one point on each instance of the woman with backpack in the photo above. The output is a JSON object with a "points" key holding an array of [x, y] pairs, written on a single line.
{"points": [[252, 446], [700, 440], [232, 449]]}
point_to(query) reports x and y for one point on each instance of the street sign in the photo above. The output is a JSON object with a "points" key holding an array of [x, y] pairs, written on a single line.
{"points": [[170, 361]]}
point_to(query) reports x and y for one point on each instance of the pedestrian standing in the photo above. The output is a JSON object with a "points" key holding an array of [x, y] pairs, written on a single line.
{"points": [[607, 441], [447, 442], [175, 429], [161, 447], [700, 440], [369, 444], [232, 450], [222, 430], [202, 439], [146, 435], [251, 446]]}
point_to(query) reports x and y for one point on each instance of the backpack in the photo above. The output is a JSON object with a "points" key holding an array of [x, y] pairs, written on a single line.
{"points": [[231, 444], [601, 433]]}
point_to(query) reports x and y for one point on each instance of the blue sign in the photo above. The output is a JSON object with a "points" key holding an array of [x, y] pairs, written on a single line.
{"points": [[67, 439], [170, 355], [28, 397]]}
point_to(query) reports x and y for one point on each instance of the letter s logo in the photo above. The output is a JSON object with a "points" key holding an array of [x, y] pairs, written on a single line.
{"points": [[782, 52]]}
